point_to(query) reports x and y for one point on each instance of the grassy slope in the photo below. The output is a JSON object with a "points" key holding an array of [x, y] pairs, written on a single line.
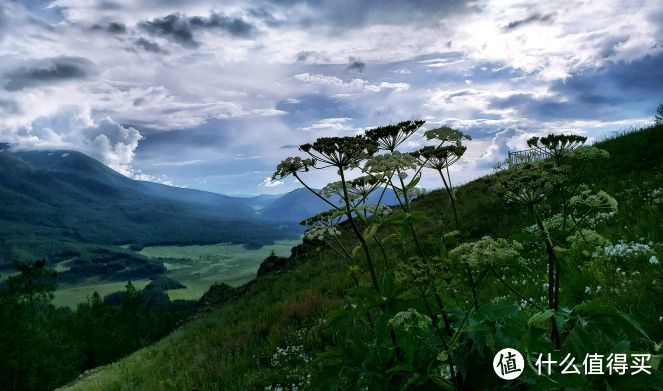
{"points": [[219, 351]]}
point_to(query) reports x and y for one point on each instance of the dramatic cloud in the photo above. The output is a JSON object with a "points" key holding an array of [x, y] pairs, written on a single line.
{"points": [[113, 28], [47, 71], [214, 94], [149, 46], [74, 128], [180, 28]]}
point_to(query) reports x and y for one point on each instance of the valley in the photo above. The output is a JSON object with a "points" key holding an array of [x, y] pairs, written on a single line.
{"points": [[195, 266]]}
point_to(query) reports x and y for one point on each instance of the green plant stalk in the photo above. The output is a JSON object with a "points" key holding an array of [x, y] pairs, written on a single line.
{"points": [[468, 270], [382, 250], [451, 199], [552, 268], [439, 333], [315, 192], [362, 241], [406, 202]]}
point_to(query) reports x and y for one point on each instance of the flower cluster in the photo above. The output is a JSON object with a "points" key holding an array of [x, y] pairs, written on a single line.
{"points": [[389, 163], [409, 320], [446, 134], [391, 136], [292, 165], [415, 272], [589, 153], [629, 251], [595, 201], [383, 211], [321, 233], [528, 183], [585, 240], [487, 251], [292, 354], [656, 197]]}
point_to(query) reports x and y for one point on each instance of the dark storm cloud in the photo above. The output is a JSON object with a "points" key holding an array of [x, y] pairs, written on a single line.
{"points": [[113, 28], [528, 20], [173, 26], [356, 64], [48, 71], [149, 46], [234, 26], [618, 90], [180, 28], [117, 28]]}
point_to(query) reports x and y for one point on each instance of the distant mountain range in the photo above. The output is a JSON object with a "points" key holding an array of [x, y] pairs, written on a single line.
{"points": [[55, 202]]}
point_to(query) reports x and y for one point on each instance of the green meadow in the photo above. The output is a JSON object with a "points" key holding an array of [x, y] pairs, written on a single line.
{"points": [[200, 266], [196, 266]]}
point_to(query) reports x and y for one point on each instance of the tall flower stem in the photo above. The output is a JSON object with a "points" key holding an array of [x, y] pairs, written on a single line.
{"points": [[470, 276], [553, 281], [362, 241]]}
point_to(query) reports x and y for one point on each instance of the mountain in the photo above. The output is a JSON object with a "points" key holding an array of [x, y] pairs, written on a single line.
{"points": [[54, 202]]}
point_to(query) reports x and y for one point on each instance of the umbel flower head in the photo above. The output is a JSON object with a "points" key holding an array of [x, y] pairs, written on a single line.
{"points": [[418, 273], [292, 165], [556, 146], [320, 232], [363, 185], [391, 136], [410, 320], [487, 251], [389, 163], [328, 218], [589, 153], [441, 157], [340, 152], [528, 183], [332, 189], [446, 134], [595, 201]]}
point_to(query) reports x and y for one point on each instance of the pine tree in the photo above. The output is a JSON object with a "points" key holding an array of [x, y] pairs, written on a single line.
{"points": [[658, 117]]}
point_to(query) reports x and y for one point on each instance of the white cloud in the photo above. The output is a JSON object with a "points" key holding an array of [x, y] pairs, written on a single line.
{"points": [[269, 182], [335, 125], [354, 84], [74, 128]]}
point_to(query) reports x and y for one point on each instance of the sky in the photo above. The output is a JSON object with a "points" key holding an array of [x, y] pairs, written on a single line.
{"points": [[212, 95]]}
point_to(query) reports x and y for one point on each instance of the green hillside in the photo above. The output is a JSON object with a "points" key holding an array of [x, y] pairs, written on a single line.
{"points": [[314, 327], [59, 204]]}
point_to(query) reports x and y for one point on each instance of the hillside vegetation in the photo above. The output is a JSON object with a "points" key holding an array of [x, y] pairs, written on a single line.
{"points": [[420, 297]]}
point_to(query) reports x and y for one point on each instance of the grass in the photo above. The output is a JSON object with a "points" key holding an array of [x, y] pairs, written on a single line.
{"points": [[200, 266], [224, 349]]}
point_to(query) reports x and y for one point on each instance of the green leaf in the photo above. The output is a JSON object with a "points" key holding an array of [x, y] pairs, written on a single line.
{"points": [[370, 231], [355, 251], [414, 182], [540, 317]]}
